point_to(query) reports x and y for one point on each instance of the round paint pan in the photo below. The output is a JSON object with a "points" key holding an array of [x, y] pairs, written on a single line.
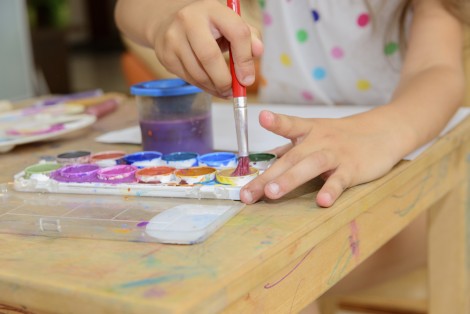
{"points": [[107, 158], [74, 157], [77, 173], [225, 177], [218, 160], [262, 161], [117, 174], [41, 171], [159, 174], [181, 160], [195, 175], [144, 159]]}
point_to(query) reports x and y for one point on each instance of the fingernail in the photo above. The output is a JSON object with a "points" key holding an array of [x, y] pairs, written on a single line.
{"points": [[247, 196], [248, 80], [274, 188]]}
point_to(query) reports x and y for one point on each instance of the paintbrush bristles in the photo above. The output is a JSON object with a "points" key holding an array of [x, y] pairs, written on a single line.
{"points": [[243, 167]]}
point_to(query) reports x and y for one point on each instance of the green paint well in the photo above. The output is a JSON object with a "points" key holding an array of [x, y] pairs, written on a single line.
{"points": [[261, 157]]}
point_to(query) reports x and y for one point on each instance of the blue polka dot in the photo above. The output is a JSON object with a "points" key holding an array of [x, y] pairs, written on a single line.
{"points": [[319, 73], [315, 15]]}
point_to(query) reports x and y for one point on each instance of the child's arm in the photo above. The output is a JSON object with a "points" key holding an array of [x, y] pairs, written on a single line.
{"points": [[361, 148], [189, 38]]}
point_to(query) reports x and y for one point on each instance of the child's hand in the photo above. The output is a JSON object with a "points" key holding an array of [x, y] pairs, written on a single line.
{"points": [[344, 152], [191, 39]]}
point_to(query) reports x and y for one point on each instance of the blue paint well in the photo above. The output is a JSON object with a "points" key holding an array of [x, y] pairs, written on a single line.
{"points": [[219, 159], [180, 156], [142, 156]]}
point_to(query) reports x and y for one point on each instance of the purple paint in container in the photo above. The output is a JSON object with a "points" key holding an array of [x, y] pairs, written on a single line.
{"points": [[174, 116]]}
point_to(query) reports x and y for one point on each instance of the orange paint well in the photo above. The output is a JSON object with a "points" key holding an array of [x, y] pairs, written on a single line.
{"points": [[155, 171], [196, 171], [107, 155]]}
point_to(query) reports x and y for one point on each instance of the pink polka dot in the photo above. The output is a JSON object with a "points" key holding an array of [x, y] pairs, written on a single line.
{"points": [[363, 20], [337, 52], [308, 96], [267, 19]]}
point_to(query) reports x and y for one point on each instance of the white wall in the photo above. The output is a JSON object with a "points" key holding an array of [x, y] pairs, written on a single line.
{"points": [[16, 66]]}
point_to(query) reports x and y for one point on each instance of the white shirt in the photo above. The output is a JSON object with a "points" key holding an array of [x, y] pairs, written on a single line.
{"points": [[330, 51]]}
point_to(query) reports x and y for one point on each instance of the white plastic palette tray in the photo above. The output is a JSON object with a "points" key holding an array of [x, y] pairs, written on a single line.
{"points": [[128, 218]]}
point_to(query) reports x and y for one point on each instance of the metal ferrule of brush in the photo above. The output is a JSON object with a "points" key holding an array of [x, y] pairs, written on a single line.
{"points": [[241, 124]]}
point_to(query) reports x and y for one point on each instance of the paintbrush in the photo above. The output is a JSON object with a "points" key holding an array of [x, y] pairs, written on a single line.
{"points": [[240, 111]]}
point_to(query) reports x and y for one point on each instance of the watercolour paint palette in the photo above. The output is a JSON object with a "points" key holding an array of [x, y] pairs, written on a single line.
{"points": [[148, 173], [177, 198]]}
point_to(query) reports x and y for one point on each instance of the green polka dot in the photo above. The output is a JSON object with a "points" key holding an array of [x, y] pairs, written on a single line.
{"points": [[262, 3], [302, 35], [286, 60], [390, 48], [363, 85]]}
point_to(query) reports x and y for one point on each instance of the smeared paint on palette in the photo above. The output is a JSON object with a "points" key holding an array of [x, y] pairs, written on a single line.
{"points": [[146, 173]]}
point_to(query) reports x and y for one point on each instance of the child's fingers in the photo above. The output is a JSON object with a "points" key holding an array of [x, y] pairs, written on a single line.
{"points": [[283, 125], [295, 175], [256, 43], [177, 57], [238, 33], [281, 150], [334, 186], [194, 69], [184, 64], [287, 173], [210, 58]]}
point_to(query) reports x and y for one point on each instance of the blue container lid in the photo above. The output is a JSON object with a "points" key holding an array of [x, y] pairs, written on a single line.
{"points": [[165, 87]]}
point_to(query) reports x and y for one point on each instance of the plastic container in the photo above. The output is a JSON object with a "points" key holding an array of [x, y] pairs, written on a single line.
{"points": [[174, 116]]}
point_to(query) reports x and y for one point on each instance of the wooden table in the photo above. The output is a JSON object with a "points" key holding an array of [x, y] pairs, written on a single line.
{"points": [[272, 257]]}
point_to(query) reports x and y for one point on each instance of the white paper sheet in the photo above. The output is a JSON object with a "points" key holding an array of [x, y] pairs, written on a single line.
{"points": [[260, 139]]}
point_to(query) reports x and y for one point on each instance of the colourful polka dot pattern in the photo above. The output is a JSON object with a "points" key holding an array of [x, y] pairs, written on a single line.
{"points": [[326, 68], [315, 15], [337, 52], [319, 73], [363, 85], [363, 20], [267, 19], [286, 60], [307, 95], [302, 35], [390, 48]]}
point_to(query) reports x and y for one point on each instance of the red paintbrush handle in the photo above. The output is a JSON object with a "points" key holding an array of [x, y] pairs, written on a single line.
{"points": [[238, 89]]}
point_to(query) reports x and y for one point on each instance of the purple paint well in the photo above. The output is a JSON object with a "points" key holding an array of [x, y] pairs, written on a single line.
{"points": [[75, 171], [192, 134], [90, 174]]}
